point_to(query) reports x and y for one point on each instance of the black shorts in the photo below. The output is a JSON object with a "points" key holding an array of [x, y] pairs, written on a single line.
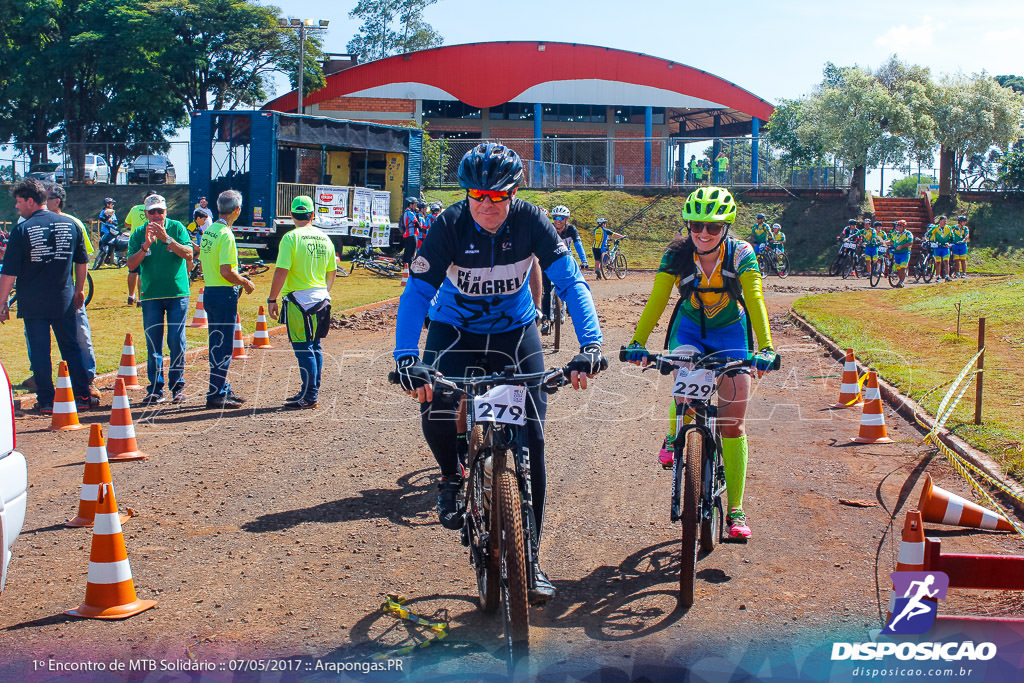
{"points": [[597, 255]]}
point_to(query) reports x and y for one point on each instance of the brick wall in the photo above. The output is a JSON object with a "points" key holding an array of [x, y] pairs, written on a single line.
{"points": [[369, 104], [629, 157]]}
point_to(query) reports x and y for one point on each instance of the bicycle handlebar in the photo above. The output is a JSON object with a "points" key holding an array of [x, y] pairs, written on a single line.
{"points": [[666, 363], [549, 380]]}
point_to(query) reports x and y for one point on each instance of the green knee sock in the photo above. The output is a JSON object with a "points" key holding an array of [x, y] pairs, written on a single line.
{"points": [[734, 452]]}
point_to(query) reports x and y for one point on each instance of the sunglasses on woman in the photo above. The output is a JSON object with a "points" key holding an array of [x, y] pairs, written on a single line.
{"points": [[712, 228]]}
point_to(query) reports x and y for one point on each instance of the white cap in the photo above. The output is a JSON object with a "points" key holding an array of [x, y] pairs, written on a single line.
{"points": [[155, 201]]}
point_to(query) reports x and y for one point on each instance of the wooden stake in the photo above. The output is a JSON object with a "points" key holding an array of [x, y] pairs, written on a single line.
{"points": [[981, 375]]}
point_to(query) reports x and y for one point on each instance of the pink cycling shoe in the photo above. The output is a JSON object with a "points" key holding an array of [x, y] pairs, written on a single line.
{"points": [[666, 456], [738, 524]]}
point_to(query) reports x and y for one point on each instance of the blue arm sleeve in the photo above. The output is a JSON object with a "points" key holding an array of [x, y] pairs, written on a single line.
{"points": [[412, 309], [578, 245], [568, 281]]}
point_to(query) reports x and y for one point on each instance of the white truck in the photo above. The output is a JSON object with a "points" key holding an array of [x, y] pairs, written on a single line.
{"points": [[13, 478]]}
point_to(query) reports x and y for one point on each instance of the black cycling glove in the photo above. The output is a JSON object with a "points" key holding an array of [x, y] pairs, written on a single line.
{"points": [[412, 373], [589, 360]]}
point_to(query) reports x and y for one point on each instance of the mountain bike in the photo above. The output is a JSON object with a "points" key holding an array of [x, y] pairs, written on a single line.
{"points": [[254, 268], [856, 264], [882, 265], [698, 471], [847, 251], [923, 268], [615, 260], [773, 259], [499, 526], [375, 263]]}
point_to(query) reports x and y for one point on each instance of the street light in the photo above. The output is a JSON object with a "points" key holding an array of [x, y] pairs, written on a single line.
{"points": [[302, 26]]}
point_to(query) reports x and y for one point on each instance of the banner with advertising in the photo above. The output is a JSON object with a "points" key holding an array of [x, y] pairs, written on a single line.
{"points": [[332, 207]]}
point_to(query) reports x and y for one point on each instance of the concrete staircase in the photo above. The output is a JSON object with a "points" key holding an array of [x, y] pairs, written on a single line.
{"points": [[917, 212]]}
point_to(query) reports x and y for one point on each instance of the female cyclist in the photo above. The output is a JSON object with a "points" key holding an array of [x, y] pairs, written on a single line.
{"points": [[720, 306]]}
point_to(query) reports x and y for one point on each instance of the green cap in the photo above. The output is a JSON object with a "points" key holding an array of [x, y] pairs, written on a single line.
{"points": [[302, 204]]}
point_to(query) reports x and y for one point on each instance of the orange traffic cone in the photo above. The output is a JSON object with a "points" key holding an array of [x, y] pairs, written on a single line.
{"points": [[237, 346], [128, 372], [121, 445], [939, 506], [97, 472], [911, 557], [849, 390], [65, 414], [200, 319], [110, 589], [872, 421], [260, 338], [405, 275]]}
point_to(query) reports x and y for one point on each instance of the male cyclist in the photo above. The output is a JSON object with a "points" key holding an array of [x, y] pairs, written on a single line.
{"points": [[873, 239], [760, 232], [570, 236], [958, 248], [901, 240], [777, 241], [472, 274], [720, 309], [942, 235], [602, 233]]}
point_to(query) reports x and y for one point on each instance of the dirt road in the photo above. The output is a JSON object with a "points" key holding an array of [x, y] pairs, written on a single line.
{"points": [[267, 533]]}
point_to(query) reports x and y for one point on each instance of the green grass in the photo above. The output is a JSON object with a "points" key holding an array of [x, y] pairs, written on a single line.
{"points": [[910, 337], [110, 318]]}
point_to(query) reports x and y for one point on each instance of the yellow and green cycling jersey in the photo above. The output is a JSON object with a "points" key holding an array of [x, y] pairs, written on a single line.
{"points": [[719, 309], [902, 241], [942, 234], [961, 234], [872, 237], [760, 231]]}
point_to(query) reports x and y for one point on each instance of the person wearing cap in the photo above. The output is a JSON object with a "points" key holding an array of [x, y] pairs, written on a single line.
{"points": [[304, 274], [410, 227], [159, 250], [219, 258], [55, 198], [47, 261], [136, 217]]}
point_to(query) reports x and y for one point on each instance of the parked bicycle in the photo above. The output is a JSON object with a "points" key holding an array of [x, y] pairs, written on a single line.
{"points": [[615, 260], [499, 526], [923, 267], [250, 269], [375, 263], [698, 471], [773, 259]]}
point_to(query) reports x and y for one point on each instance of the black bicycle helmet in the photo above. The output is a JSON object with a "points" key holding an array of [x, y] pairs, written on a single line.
{"points": [[420, 204], [760, 216], [876, 224], [852, 221], [490, 166], [410, 200]]}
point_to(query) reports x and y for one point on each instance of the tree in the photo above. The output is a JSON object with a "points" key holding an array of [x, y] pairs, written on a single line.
{"points": [[783, 138], [1012, 171], [907, 186], [391, 27], [972, 113], [1014, 82]]}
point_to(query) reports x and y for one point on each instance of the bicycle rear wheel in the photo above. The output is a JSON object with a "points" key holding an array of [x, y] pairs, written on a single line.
{"points": [[928, 269], [691, 522], [88, 289], [784, 266], [620, 265], [480, 509], [512, 555]]}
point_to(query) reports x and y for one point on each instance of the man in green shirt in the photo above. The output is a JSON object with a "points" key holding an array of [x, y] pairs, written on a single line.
{"points": [[135, 217], [219, 258], [158, 250], [304, 274]]}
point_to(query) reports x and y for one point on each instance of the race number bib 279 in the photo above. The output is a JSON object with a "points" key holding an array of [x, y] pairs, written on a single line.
{"points": [[504, 403], [695, 384]]}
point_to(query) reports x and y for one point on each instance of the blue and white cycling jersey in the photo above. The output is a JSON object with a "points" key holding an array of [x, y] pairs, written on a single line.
{"points": [[479, 282]]}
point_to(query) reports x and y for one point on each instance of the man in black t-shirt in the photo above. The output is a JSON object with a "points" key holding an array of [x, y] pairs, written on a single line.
{"points": [[46, 257]]}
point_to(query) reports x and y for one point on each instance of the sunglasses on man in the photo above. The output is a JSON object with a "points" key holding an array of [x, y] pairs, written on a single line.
{"points": [[157, 211], [496, 196]]}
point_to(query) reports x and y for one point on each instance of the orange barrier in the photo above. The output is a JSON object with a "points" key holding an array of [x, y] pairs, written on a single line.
{"points": [[849, 390], [110, 589], [939, 506], [97, 473], [200, 319], [872, 420], [260, 338], [65, 413], [238, 346], [128, 370], [121, 445]]}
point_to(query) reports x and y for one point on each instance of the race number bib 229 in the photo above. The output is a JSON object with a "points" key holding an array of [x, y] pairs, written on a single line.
{"points": [[505, 403], [695, 384]]}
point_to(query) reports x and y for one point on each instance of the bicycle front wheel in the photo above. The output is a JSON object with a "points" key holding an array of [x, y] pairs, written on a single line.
{"points": [[88, 289], [894, 274], [620, 266], [876, 273], [689, 515], [512, 555], [480, 508], [836, 265], [928, 269]]}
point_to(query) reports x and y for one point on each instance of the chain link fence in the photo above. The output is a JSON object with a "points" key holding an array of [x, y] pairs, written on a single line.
{"points": [[113, 163]]}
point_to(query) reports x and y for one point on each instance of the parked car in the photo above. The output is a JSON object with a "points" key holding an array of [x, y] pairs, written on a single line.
{"points": [[151, 169], [13, 478], [96, 170], [43, 172]]}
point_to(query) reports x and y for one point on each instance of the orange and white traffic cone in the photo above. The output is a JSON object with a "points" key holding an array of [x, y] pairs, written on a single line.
{"points": [[405, 275], [65, 413], [261, 338], [128, 370], [121, 444], [872, 421], [911, 556], [237, 346], [110, 589], [97, 472], [199, 319], [849, 390], [939, 506]]}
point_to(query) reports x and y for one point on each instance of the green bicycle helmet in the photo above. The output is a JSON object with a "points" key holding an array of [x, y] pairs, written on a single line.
{"points": [[709, 204]]}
